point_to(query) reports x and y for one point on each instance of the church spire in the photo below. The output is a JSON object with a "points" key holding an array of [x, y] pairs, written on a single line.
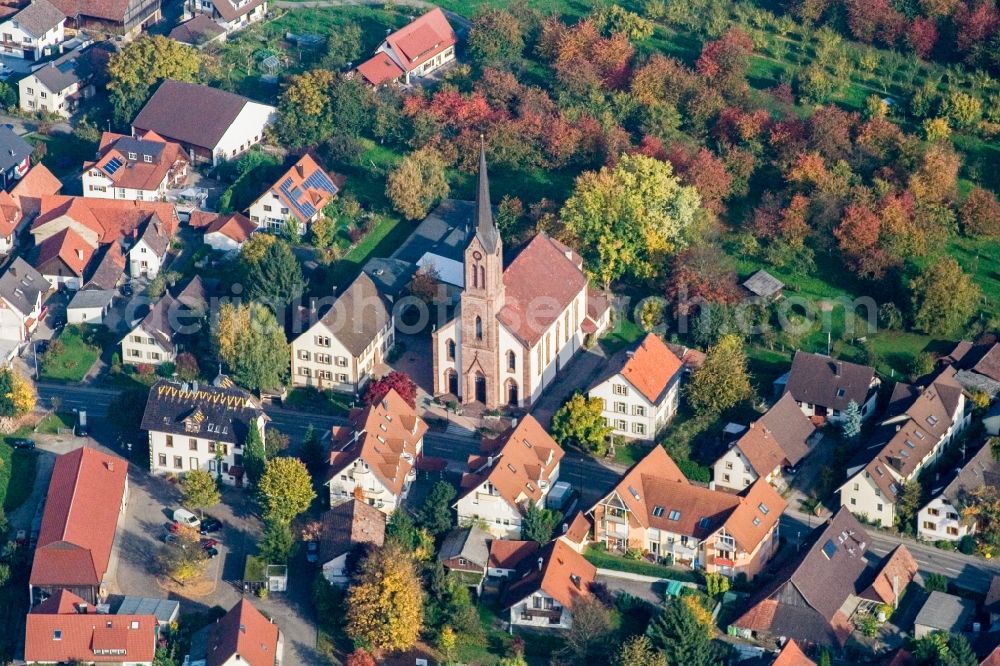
{"points": [[486, 229]]}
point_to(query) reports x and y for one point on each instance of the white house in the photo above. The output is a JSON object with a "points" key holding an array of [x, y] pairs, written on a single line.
{"points": [[914, 436], [241, 636], [510, 474], [200, 426], [90, 306], [147, 255], [21, 291], [341, 349], [299, 195], [226, 232], [780, 437], [59, 85], [134, 169], [34, 32], [374, 457], [154, 339], [640, 389], [415, 50], [825, 386], [941, 519], [542, 589], [212, 125], [231, 15], [345, 527]]}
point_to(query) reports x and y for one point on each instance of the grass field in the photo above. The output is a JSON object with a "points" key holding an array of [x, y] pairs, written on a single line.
{"points": [[70, 360], [17, 473], [605, 560], [54, 422]]}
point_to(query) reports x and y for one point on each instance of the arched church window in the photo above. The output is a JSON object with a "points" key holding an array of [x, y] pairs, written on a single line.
{"points": [[450, 344], [511, 361], [479, 328]]}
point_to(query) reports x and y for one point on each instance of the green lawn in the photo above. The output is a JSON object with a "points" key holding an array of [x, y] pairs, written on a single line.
{"points": [[69, 360], [605, 560], [624, 332], [17, 473], [64, 154], [308, 399], [55, 421]]}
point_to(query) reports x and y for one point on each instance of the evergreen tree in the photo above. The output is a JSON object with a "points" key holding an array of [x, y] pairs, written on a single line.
{"points": [[313, 453], [539, 524], [401, 530], [852, 421], [681, 636], [436, 513], [960, 652], [253, 456]]}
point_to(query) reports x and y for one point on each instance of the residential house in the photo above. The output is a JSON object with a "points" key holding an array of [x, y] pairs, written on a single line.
{"points": [[87, 495], [226, 232], [230, 15], [779, 438], [978, 366], [764, 285], [212, 125], [640, 389], [654, 510], [501, 349], [15, 153], [576, 532], [813, 597], [466, 552], [348, 527], [165, 611], [824, 386], [90, 306], [63, 258], [941, 519], [241, 636], [157, 338], [912, 437], [299, 195], [200, 426], [944, 612], [341, 348], [509, 474], [28, 192], [374, 457], [58, 85], [134, 169], [792, 655], [10, 222], [21, 292], [66, 628], [125, 18], [146, 256], [33, 32], [506, 554], [415, 50], [543, 590], [109, 268], [198, 32], [884, 584]]}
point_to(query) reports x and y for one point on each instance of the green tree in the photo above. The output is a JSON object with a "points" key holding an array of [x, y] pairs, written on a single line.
{"points": [[935, 582], [285, 489], [722, 381], [313, 452], [276, 546], [343, 45], [588, 639], [436, 514], [580, 423], [539, 524], [495, 38], [276, 278], [417, 183], [963, 109], [135, 70], [943, 298], [199, 490], [639, 651], [254, 455], [908, 505], [249, 340], [682, 636], [400, 529], [852, 421], [961, 653], [350, 102], [630, 218]]}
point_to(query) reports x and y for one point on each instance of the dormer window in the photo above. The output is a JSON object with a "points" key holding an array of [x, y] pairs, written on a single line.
{"points": [[674, 515], [657, 511], [148, 159], [132, 156]]}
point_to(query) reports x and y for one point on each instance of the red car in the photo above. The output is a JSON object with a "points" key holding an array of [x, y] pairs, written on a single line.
{"points": [[209, 543]]}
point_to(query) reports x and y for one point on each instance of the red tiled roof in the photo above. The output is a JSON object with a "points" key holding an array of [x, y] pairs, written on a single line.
{"points": [[243, 631], [422, 39], [63, 602], [650, 367], [524, 292], [234, 226], [578, 528], [992, 659], [67, 245], [10, 214], [895, 573], [379, 69], [507, 554], [89, 637], [37, 183], [564, 575], [792, 655], [110, 219], [81, 514], [136, 173]]}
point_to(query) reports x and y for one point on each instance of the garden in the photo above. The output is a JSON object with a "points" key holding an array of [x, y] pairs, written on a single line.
{"points": [[71, 355]]}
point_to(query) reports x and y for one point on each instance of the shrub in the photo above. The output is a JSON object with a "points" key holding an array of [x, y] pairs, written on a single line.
{"points": [[166, 369], [935, 582], [967, 545], [944, 544]]}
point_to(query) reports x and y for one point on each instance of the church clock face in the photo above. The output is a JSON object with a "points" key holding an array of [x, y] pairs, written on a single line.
{"points": [[477, 255]]}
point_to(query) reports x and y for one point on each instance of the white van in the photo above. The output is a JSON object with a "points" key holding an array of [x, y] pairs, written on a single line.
{"points": [[186, 518]]}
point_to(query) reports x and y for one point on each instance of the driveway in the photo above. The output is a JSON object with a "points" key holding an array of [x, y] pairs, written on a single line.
{"points": [[578, 374]]}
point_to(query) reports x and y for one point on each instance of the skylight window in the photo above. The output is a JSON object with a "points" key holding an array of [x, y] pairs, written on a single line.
{"points": [[932, 420], [756, 521], [763, 508], [657, 511], [829, 549], [910, 444], [840, 393], [904, 453], [634, 492], [919, 434], [57, 635], [704, 523], [674, 515]]}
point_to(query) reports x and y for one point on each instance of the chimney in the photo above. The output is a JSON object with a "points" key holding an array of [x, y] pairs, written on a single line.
{"points": [[111, 465], [840, 369], [541, 561], [79, 253], [82, 607], [194, 386], [576, 581], [312, 305], [301, 170]]}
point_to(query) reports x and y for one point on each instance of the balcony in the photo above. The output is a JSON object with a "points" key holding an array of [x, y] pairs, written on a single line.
{"points": [[553, 615]]}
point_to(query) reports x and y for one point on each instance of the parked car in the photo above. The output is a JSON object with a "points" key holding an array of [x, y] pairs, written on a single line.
{"points": [[210, 525], [209, 543], [81, 424], [41, 346], [212, 552], [22, 443], [185, 517], [170, 538], [126, 289], [312, 551]]}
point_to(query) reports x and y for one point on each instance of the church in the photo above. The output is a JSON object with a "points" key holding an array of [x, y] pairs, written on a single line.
{"points": [[515, 328]]}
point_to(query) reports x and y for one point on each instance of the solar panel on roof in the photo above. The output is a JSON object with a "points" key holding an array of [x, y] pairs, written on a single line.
{"points": [[112, 166], [829, 549]]}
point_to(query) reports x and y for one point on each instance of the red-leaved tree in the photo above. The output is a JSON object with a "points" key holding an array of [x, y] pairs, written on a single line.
{"points": [[400, 381]]}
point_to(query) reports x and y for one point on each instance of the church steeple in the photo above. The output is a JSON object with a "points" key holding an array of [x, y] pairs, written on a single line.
{"points": [[486, 228]]}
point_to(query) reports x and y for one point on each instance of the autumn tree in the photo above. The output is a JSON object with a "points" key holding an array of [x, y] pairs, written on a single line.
{"points": [[702, 272], [305, 113], [495, 38], [639, 651], [936, 179], [722, 381], [398, 381], [724, 62], [187, 367], [17, 396], [249, 340], [983, 506], [135, 70], [182, 560], [580, 423], [418, 183], [980, 213], [630, 217], [588, 639], [539, 524], [285, 489], [199, 490], [943, 298], [254, 455], [360, 657], [385, 603], [858, 236], [615, 19], [922, 36], [908, 505]]}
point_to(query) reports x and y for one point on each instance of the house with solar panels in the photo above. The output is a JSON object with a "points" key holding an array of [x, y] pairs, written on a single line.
{"points": [[299, 195], [135, 169]]}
